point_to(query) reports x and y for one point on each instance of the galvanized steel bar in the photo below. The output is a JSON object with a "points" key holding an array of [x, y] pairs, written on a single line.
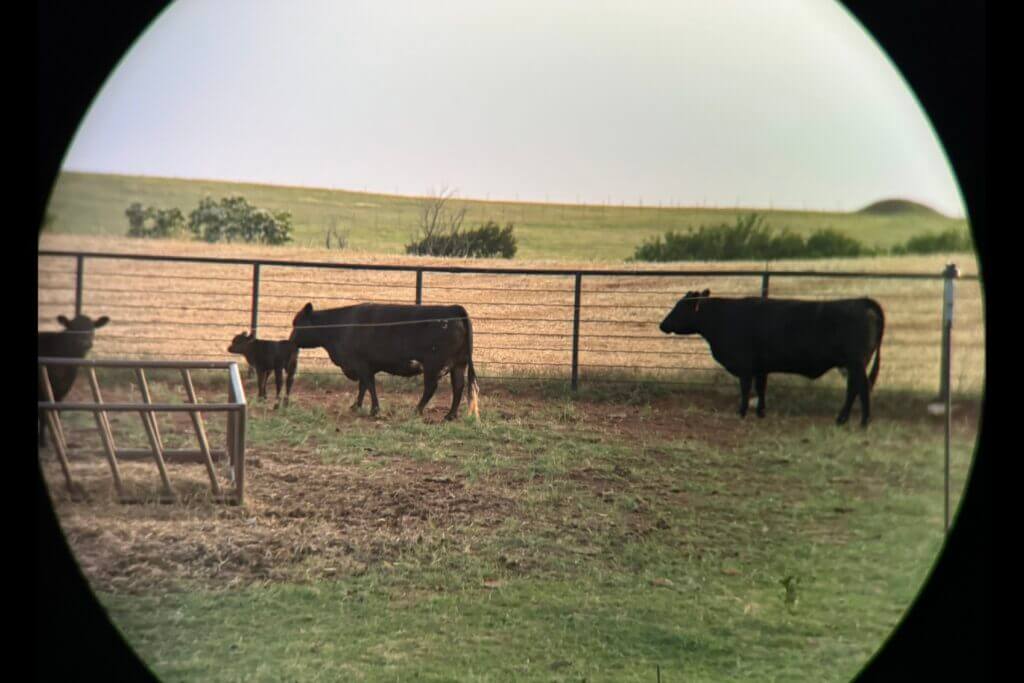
{"points": [[576, 331], [79, 278], [197, 423], [255, 321], [153, 432], [105, 433], [496, 271], [56, 430], [949, 274]]}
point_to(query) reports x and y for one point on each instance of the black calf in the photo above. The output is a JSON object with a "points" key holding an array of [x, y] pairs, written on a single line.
{"points": [[265, 356], [73, 342]]}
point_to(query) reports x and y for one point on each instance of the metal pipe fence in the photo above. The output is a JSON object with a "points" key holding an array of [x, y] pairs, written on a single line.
{"points": [[574, 325]]}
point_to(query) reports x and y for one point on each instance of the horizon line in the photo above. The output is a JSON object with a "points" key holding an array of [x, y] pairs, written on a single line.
{"points": [[489, 200]]}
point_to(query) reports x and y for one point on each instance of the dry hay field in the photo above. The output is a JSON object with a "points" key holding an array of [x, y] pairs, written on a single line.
{"points": [[563, 536], [522, 323]]}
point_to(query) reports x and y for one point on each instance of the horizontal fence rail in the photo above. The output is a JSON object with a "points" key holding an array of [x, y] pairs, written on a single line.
{"points": [[574, 325]]}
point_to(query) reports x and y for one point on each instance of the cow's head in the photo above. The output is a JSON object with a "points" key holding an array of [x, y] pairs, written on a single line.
{"points": [[82, 329], [302, 335], [241, 342], [685, 317]]}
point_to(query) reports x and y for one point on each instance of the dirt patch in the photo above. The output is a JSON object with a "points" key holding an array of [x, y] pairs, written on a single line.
{"points": [[306, 518]]}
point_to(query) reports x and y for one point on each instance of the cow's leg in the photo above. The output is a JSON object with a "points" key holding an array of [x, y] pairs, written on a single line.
{"points": [[358, 405], [371, 384], [458, 383], [865, 397], [278, 378], [744, 394], [430, 377], [852, 389], [761, 384], [288, 383]]}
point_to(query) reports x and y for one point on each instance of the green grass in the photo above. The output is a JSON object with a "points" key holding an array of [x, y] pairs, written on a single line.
{"points": [[672, 557], [93, 204]]}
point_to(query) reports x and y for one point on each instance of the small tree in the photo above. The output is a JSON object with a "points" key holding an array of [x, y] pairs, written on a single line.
{"points": [[154, 222], [234, 219]]}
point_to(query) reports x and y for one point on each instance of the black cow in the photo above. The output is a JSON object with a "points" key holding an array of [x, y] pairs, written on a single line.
{"points": [[266, 356], [753, 336], [72, 342], [404, 340]]}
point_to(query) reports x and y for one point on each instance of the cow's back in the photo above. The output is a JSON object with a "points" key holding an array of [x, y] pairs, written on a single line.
{"points": [[789, 335], [389, 335]]}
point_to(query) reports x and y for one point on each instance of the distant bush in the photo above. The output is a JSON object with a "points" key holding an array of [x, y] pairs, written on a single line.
{"points": [[489, 240], [234, 219], [229, 220], [831, 243], [749, 239], [932, 243], [154, 222]]}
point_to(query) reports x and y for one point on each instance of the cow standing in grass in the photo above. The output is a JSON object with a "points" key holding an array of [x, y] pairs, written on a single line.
{"points": [[753, 336], [266, 356], [74, 341], [403, 340]]}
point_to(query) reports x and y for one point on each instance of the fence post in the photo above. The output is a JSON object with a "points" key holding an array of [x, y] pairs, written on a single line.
{"points": [[255, 298], [945, 393], [419, 287], [576, 333], [79, 275], [949, 274], [764, 284]]}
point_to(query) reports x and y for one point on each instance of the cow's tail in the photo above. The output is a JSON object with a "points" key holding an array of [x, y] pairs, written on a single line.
{"points": [[472, 386], [873, 305]]}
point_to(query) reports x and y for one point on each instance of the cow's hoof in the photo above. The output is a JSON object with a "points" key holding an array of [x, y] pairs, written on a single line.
{"points": [[355, 408], [450, 416], [760, 414], [842, 419]]}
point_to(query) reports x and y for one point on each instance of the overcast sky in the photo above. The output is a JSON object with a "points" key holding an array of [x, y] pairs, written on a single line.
{"points": [[788, 103]]}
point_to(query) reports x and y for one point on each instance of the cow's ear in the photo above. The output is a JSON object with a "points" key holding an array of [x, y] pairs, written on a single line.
{"points": [[308, 308], [101, 321], [63, 321], [706, 292], [252, 335]]}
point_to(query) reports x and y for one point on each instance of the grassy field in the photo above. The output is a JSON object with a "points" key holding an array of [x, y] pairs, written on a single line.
{"points": [[92, 204], [561, 537]]}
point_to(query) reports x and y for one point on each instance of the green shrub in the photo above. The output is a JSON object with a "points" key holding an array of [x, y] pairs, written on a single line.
{"points": [[932, 243], [154, 222], [489, 240], [234, 219], [831, 243], [749, 239]]}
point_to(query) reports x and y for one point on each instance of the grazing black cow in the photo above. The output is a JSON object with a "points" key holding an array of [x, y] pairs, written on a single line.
{"points": [[266, 356], [72, 342], [404, 340], [753, 336]]}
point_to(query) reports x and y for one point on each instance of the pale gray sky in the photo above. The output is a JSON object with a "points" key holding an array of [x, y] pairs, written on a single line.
{"points": [[788, 103]]}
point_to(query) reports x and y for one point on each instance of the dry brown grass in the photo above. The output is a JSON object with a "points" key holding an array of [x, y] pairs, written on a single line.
{"points": [[523, 324]]}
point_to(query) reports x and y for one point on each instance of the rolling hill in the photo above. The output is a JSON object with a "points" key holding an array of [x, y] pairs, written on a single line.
{"points": [[94, 204]]}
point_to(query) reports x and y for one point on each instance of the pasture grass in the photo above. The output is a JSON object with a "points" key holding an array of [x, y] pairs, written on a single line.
{"points": [[94, 204], [653, 534]]}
